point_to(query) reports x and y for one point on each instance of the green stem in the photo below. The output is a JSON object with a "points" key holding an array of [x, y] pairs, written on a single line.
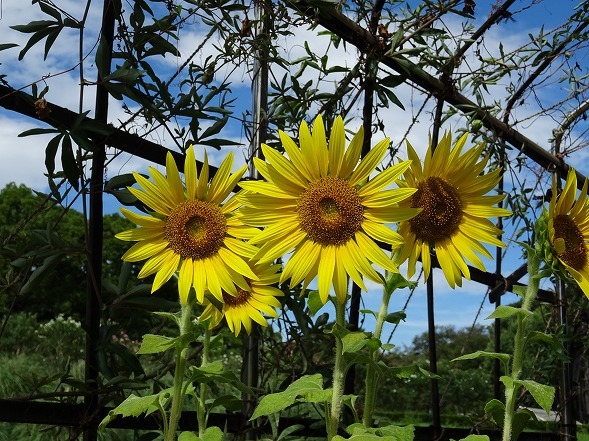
{"points": [[519, 343], [178, 395], [338, 375], [201, 406], [371, 374]]}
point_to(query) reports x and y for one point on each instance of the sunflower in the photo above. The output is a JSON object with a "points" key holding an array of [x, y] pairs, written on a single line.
{"points": [[450, 190], [317, 202], [568, 229], [249, 304], [192, 229]]}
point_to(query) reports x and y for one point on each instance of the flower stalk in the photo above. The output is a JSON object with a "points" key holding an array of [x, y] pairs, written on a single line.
{"points": [[338, 375], [518, 348], [371, 373], [201, 405], [178, 394]]}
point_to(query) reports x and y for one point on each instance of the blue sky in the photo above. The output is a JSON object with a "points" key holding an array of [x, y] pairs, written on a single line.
{"points": [[22, 159]]}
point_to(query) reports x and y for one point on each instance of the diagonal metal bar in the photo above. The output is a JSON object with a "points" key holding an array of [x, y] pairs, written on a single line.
{"points": [[351, 32], [63, 118]]}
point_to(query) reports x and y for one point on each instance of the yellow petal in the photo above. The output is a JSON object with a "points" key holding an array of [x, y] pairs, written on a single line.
{"points": [[384, 234], [295, 155], [352, 155], [151, 201], [319, 152], [219, 181], [343, 256], [284, 166], [143, 221], [203, 179], [155, 263], [374, 253], [173, 177], [301, 262], [190, 173], [141, 234], [369, 163], [384, 179], [236, 263], [144, 250], [325, 272], [200, 280], [388, 198], [273, 250], [337, 143], [166, 271], [185, 279]]}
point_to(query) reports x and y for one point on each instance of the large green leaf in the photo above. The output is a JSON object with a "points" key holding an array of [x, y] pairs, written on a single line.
{"points": [[543, 394], [153, 344], [135, 406], [276, 402]]}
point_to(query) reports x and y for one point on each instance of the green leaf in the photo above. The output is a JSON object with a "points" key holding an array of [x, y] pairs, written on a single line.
{"points": [[33, 26], [276, 402], [68, 162], [5, 46], [127, 76], [289, 431], [520, 420], [37, 132], [51, 152], [212, 434], [549, 339], [503, 357], [503, 311], [354, 341], [314, 302], [543, 394], [154, 344], [48, 264], [359, 432], [229, 402], [396, 281], [188, 436], [135, 406], [214, 373], [395, 317], [475, 438], [496, 409]]}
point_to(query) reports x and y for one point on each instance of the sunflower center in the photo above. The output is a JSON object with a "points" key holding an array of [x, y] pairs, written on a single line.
{"points": [[241, 298], [196, 229], [442, 210], [330, 211], [575, 251]]}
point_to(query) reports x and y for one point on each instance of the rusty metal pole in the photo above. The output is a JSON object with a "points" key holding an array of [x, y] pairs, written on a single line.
{"points": [[95, 239]]}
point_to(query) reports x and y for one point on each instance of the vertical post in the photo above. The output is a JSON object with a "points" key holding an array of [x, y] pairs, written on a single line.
{"points": [[251, 348], [431, 324], [95, 239], [568, 428], [354, 314], [497, 322]]}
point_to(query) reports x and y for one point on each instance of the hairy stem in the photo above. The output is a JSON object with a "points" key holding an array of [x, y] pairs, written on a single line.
{"points": [[371, 374], [201, 406], [338, 375], [178, 396], [518, 347]]}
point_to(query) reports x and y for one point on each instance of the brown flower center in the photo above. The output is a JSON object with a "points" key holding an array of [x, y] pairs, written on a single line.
{"points": [[442, 210], [241, 298], [330, 211], [575, 251], [196, 229]]}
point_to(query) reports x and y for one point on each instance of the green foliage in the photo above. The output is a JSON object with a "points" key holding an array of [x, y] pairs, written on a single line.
{"points": [[300, 389]]}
